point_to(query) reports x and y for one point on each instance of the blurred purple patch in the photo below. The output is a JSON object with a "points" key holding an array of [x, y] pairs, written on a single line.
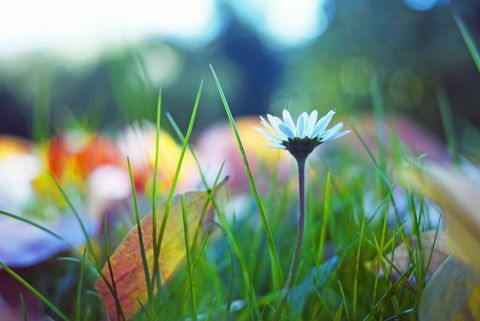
{"points": [[414, 137], [217, 144], [10, 304], [22, 244]]}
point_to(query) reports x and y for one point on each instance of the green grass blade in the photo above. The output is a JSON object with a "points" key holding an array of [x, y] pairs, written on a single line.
{"points": [[189, 259], [202, 175], [275, 264], [39, 226], [468, 39], [77, 216], [78, 300], [390, 293], [357, 266], [326, 210], [113, 286], [378, 109], [385, 182], [177, 171], [156, 269], [78, 261], [194, 155], [98, 272], [85, 233], [448, 125], [24, 308], [30, 288], [140, 236], [344, 299]]}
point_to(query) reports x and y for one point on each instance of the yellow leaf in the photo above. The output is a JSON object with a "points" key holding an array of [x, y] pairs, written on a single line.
{"points": [[453, 294], [126, 261], [459, 197]]}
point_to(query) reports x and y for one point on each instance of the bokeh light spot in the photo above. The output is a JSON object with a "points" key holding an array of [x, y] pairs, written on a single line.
{"points": [[355, 75], [406, 89]]}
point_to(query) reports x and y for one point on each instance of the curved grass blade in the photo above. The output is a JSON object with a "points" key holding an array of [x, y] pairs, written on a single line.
{"points": [[29, 287], [156, 270], [78, 301], [41, 227], [24, 308], [140, 237], [85, 233], [224, 226], [177, 174], [467, 37], [275, 263], [189, 259], [77, 216]]}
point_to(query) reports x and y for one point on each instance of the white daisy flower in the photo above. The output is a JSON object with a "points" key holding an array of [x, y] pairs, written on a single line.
{"points": [[300, 139]]}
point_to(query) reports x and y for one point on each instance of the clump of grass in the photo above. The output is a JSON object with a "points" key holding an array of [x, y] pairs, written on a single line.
{"points": [[235, 272]]}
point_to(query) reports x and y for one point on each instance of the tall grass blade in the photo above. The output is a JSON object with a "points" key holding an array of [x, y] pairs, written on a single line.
{"points": [[78, 300], [357, 266], [275, 264], [326, 210], [189, 259], [24, 308], [77, 216], [156, 270], [113, 287], [30, 288], [39, 226], [468, 39], [177, 171], [448, 125], [140, 236]]}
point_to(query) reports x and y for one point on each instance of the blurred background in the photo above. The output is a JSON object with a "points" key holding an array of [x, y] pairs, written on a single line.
{"points": [[100, 63]]}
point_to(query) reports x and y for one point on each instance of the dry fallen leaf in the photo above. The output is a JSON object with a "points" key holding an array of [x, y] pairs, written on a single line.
{"points": [[126, 261], [401, 259], [459, 197], [453, 294]]}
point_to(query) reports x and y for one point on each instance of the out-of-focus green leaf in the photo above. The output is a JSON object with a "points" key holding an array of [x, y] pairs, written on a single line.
{"points": [[459, 198], [453, 293], [317, 278]]}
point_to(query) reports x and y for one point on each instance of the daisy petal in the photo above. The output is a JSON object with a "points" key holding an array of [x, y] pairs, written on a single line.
{"points": [[276, 147], [312, 119], [287, 131], [275, 121], [288, 121], [341, 134], [301, 125], [271, 131], [267, 135], [332, 131], [322, 124]]}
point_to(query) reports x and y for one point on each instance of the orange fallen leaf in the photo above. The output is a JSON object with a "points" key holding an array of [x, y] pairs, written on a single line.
{"points": [[127, 264]]}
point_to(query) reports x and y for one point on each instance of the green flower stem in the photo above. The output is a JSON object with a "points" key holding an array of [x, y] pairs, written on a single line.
{"points": [[298, 247]]}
